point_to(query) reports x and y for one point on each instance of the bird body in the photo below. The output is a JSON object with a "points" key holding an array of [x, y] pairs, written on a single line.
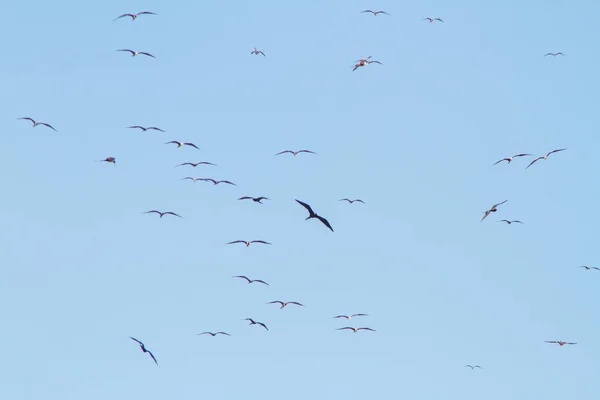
{"points": [[364, 62], [313, 214]]}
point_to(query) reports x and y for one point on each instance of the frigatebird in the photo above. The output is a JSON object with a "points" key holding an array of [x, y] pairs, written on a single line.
{"points": [[375, 12], [554, 54], [257, 52], [432, 19], [251, 280], [248, 243], [295, 152], [285, 303], [509, 159], [558, 342], [355, 329], [510, 222], [196, 164], [349, 317], [312, 214], [352, 201], [213, 334], [180, 144], [137, 53], [162, 213], [473, 366], [38, 123], [144, 349], [109, 160], [491, 210], [134, 16], [543, 157], [153, 128], [253, 322], [589, 268], [254, 199]]}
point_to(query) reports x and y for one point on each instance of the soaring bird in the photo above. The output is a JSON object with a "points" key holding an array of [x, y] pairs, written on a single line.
{"points": [[554, 54], [295, 152], [254, 199], [493, 209], [589, 268], [352, 201], [248, 243], [510, 222], [375, 12], [180, 144], [251, 280], [253, 322], [145, 129], [432, 19], [558, 342], [38, 123], [144, 349], [509, 159], [355, 329], [137, 53], [283, 303], [162, 213], [134, 16], [473, 366], [543, 157], [213, 334], [196, 164], [349, 317], [257, 52], [108, 159], [217, 182], [364, 62], [313, 214]]}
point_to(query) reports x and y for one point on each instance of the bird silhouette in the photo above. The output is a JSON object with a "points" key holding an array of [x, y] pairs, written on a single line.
{"points": [[217, 182], [432, 19], [251, 280], [137, 53], [510, 222], [589, 268], [253, 322], [38, 123], [544, 157], [349, 317], [355, 329], [473, 366], [109, 160], [558, 342], [248, 243], [312, 214], [254, 199], [374, 12], [134, 16], [162, 213], [257, 52], [295, 152], [143, 347], [509, 159], [196, 164], [554, 54], [213, 334], [181, 144], [153, 128], [284, 303], [352, 201], [491, 210]]}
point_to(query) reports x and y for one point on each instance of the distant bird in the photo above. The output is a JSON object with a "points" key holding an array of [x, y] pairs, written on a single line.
{"points": [[312, 214], [251, 280], [108, 159], [137, 53], [145, 129], [493, 209], [180, 144], [162, 213], [134, 16], [248, 243], [355, 329], [217, 182], [144, 349], [375, 12], [509, 159], [558, 342], [473, 366], [432, 19], [589, 268], [510, 222], [196, 164], [349, 317], [283, 303], [257, 52], [254, 199], [295, 152], [192, 179], [554, 54], [364, 62], [352, 201], [213, 334], [543, 157], [38, 123], [253, 322]]}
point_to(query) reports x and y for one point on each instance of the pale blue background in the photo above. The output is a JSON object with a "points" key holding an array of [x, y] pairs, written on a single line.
{"points": [[83, 269]]}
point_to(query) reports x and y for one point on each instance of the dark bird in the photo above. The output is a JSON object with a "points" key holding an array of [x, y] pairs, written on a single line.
{"points": [[554, 54], [137, 53], [493, 209], [510, 222], [312, 214], [352, 201], [38, 123], [145, 129], [254, 199], [162, 213], [257, 52], [295, 152], [543, 157], [589, 268], [108, 159], [180, 144], [196, 164], [248, 243], [283, 303], [375, 12], [349, 317], [355, 329], [251, 280], [217, 182], [432, 19], [144, 349], [558, 342], [509, 159], [134, 16], [253, 322], [473, 366], [364, 62], [214, 334]]}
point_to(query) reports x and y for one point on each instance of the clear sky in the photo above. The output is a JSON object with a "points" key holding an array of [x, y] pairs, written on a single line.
{"points": [[82, 268]]}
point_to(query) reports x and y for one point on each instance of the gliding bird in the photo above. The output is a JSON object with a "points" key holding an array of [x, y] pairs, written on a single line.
{"points": [[491, 210], [217, 182], [257, 52], [348, 317], [254, 199], [196, 164], [473, 366], [432, 19], [213, 334], [251, 280], [355, 329], [137, 53], [283, 303], [544, 157], [509, 159], [108, 159], [39, 123], [352, 201], [180, 144], [374, 12], [554, 54], [248, 243], [589, 268], [144, 349], [510, 222], [253, 322], [313, 214], [134, 16], [162, 213], [145, 129], [295, 152], [558, 342]]}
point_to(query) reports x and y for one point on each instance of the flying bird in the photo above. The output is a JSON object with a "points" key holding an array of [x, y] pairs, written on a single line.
{"points": [[589, 268], [257, 52], [213, 334], [38, 123], [543, 157], [180, 144], [375, 12], [248, 243], [196, 164], [554, 54], [355, 329], [254, 199], [509, 159], [473, 366], [251, 280], [432, 19], [108, 159], [134, 16], [217, 182], [510, 222], [283, 303], [253, 322], [349, 317], [145, 129], [312, 214], [162, 213], [491, 210], [558, 342], [352, 201], [137, 53], [295, 152], [144, 349], [364, 62]]}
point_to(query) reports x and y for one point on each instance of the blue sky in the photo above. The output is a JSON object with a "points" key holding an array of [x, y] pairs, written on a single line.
{"points": [[83, 269]]}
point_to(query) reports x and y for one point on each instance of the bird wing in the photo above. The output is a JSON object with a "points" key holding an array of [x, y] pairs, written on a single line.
{"points": [[517, 221], [206, 163], [137, 126], [48, 125], [382, 12], [236, 241], [596, 268], [554, 151], [498, 162], [276, 302], [486, 214], [172, 213], [153, 211], [245, 198], [260, 241], [140, 343], [205, 333], [228, 182], [152, 355], [285, 151], [155, 128], [438, 19], [146, 13], [260, 281], [548, 54], [296, 303], [551, 341], [146, 54], [340, 316], [323, 220], [366, 329], [360, 201], [222, 333], [310, 210], [559, 53], [124, 15], [263, 325], [368, 11], [521, 155], [534, 161], [306, 151], [346, 327], [131, 51], [191, 144], [28, 119], [376, 62], [260, 52], [173, 141], [496, 205], [243, 277], [360, 315], [348, 200], [570, 343]]}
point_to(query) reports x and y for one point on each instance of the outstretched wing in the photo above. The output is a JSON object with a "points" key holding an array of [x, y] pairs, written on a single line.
{"points": [[496, 205], [137, 126], [263, 325], [340, 316], [345, 328], [152, 355], [146, 13], [124, 15], [310, 210], [236, 241], [146, 54], [227, 182], [348, 200], [260, 241], [131, 51], [155, 128], [486, 215], [28, 119], [172, 213], [191, 144], [499, 161], [285, 151], [534, 161], [306, 151], [153, 211], [140, 343], [259, 281], [222, 333], [48, 125], [368, 11], [323, 220], [243, 277], [554, 151], [296, 303], [360, 315], [366, 329], [521, 155], [245, 198]]}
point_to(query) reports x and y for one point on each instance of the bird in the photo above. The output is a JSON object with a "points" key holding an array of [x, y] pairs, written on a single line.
{"points": [[180, 144], [375, 12], [473, 366], [162, 213], [349, 317], [355, 329], [509, 159], [38, 123], [248, 243], [144, 349], [217, 182], [253, 322], [491, 210], [196, 164], [251, 280], [254, 199], [363, 62], [213, 334], [510, 222], [295, 152], [283, 303], [145, 129], [312, 214], [543, 157], [134, 16], [554, 54], [558, 342], [137, 53], [432, 19], [108, 159], [352, 201], [589, 268], [257, 52]]}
